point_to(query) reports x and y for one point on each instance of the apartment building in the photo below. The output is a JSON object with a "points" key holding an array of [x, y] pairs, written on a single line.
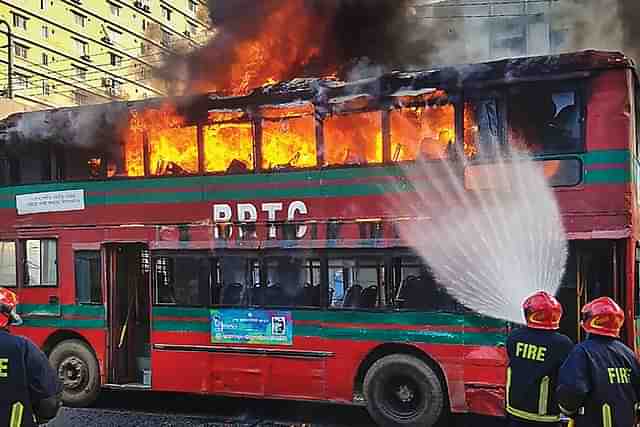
{"points": [[70, 52]]}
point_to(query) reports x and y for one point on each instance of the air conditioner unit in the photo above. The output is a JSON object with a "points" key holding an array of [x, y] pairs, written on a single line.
{"points": [[112, 91], [86, 58], [187, 34], [106, 39], [137, 4], [147, 8], [107, 82]]}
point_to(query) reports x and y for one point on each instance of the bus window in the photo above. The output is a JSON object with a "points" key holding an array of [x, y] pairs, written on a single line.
{"points": [[481, 127], [228, 147], [173, 151], [40, 262], [353, 139], [355, 283], [425, 131], [544, 120], [182, 279], [87, 271], [235, 276], [289, 143], [81, 164], [33, 162], [8, 276], [417, 289], [291, 281]]}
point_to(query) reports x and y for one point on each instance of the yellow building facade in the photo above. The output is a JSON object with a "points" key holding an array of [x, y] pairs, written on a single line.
{"points": [[71, 52]]}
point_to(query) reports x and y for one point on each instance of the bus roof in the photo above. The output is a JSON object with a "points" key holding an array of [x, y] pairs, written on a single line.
{"points": [[397, 83]]}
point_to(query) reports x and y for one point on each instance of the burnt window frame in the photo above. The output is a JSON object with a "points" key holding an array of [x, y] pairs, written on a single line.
{"points": [[255, 140], [204, 291], [578, 87]]}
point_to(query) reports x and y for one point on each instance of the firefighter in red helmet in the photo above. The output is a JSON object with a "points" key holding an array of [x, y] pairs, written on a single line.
{"points": [[535, 355], [599, 383], [29, 387]]}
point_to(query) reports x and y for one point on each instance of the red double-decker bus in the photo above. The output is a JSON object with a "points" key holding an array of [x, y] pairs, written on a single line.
{"points": [[242, 245]]}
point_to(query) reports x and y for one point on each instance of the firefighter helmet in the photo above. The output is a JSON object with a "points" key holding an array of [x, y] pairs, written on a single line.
{"points": [[602, 316], [542, 311], [8, 303]]}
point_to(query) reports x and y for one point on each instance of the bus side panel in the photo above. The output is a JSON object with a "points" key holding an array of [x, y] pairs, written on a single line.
{"points": [[608, 112]]}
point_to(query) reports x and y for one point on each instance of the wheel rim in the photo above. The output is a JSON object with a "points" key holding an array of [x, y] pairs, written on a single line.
{"points": [[74, 374], [403, 397]]}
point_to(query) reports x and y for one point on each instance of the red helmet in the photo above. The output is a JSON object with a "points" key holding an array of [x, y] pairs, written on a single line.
{"points": [[8, 303], [602, 316], [542, 311]]}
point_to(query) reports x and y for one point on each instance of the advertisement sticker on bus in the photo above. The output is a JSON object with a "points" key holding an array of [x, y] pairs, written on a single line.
{"points": [[239, 326]]}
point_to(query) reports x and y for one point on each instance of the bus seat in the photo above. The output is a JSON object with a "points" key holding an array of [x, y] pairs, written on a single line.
{"points": [[257, 295], [274, 295], [369, 297], [232, 294], [353, 296]]}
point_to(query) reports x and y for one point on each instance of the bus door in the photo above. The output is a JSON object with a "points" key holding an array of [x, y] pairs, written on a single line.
{"points": [[600, 272], [128, 305]]}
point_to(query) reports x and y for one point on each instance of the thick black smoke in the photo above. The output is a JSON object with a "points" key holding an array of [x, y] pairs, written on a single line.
{"points": [[370, 35], [630, 18]]}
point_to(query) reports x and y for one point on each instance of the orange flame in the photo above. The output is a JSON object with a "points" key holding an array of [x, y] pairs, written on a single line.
{"points": [[354, 138]]}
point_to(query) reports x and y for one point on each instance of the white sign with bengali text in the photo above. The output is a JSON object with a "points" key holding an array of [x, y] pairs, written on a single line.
{"points": [[52, 201]]}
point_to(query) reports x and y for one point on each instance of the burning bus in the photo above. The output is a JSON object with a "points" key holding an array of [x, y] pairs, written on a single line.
{"points": [[244, 240]]}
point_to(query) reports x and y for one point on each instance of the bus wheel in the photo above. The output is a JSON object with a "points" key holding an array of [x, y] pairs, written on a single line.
{"points": [[78, 371], [402, 390]]}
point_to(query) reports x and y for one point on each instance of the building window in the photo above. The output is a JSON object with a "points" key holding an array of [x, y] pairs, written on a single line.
{"points": [[166, 38], [87, 269], [166, 12], [8, 264], [20, 21], [21, 51], [81, 73], [46, 91], [79, 19], [114, 9], [80, 97], [191, 28], [116, 60], [114, 35], [44, 4], [41, 262], [45, 32], [82, 48], [193, 6], [45, 59], [20, 81]]}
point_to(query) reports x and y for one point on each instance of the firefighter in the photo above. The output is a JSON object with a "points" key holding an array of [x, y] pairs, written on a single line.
{"points": [[29, 388], [599, 383], [536, 352]]}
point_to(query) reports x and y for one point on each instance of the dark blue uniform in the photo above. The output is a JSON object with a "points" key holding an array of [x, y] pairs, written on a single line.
{"points": [[534, 359], [601, 382], [26, 378]]}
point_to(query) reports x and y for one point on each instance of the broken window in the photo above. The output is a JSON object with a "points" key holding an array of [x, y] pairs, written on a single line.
{"points": [[426, 132], [354, 138], [288, 138], [8, 264], [544, 120], [291, 281], [355, 282], [87, 272], [182, 279], [40, 262], [482, 127], [173, 151], [228, 147]]}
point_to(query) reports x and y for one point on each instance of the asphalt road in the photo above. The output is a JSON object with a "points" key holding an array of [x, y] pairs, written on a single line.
{"points": [[117, 408]]}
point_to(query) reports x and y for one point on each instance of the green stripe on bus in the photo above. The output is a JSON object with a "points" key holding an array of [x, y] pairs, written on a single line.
{"points": [[64, 323], [64, 310], [607, 176], [173, 326], [606, 156]]}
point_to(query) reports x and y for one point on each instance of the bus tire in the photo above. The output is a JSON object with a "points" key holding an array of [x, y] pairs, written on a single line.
{"points": [[402, 390], [78, 370]]}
